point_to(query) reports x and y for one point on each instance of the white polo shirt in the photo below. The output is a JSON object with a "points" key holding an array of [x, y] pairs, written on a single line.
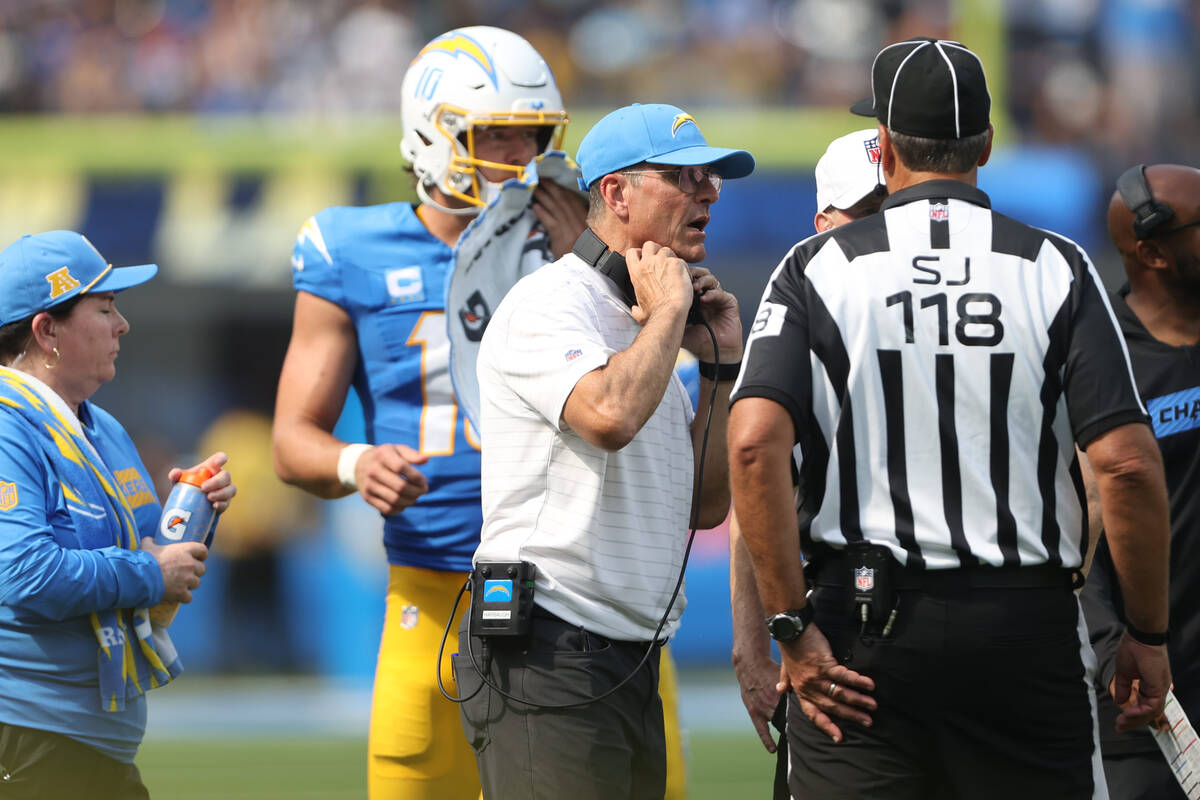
{"points": [[606, 530]]}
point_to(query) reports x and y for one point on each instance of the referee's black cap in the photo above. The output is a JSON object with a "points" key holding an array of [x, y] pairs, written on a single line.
{"points": [[926, 87]]}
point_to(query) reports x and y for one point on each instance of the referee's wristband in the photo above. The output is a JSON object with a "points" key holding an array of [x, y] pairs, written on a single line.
{"points": [[1152, 639], [720, 372]]}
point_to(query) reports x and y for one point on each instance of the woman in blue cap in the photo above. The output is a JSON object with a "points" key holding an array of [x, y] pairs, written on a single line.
{"points": [[80, 574]]}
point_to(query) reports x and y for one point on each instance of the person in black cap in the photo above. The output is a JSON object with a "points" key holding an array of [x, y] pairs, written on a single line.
{"points": [[1154, 222], [932, 367], [595, 467]]}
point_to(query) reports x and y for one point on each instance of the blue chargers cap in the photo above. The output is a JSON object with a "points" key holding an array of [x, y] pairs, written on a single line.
{"points": [[39, 271], [655, 133]]}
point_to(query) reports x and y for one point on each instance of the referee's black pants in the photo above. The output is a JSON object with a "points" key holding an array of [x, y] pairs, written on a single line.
{"points": [[982, 693]]}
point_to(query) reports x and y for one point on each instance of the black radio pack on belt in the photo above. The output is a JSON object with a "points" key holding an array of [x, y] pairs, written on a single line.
{"points": [[871, 579], [592, 249], [501, 598]]}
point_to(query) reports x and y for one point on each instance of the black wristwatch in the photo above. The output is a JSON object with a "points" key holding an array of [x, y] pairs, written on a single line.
{"points": [[786, 626]]}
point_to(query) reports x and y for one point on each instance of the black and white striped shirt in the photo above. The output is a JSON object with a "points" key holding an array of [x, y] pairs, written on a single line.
{"points": [[939, 361]]}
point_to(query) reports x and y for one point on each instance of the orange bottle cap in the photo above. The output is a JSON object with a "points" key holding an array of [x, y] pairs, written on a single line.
{"points": [[196, 476]]}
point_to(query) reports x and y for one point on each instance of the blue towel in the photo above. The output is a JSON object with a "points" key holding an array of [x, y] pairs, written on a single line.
{"points": [[133, 656]]}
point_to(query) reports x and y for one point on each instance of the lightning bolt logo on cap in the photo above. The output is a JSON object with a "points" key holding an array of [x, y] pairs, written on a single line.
{"points": [[679, 121], [457, 44]]}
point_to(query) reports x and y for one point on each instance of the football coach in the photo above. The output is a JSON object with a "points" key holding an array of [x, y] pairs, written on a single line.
{"points": [[932, 367], [595, 467]]}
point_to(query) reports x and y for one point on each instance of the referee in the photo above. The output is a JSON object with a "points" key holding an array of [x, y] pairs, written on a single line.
{"points": [[931, 367]]}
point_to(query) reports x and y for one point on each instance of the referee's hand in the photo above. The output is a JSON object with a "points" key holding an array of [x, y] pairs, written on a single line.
{"points": [[1146, 665], [825, 688]]}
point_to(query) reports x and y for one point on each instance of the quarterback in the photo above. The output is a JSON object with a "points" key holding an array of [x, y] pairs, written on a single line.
{"points": [[479, 104]]}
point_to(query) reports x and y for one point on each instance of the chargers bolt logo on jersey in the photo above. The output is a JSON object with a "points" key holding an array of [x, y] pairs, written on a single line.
{"points": [[864, 579], [174, 523], [8, 496], [456, 44], [311, 232], [497, 591], [873, 152]]}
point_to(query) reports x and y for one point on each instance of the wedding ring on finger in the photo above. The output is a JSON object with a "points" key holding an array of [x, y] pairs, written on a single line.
{"points": [[832, 688]]}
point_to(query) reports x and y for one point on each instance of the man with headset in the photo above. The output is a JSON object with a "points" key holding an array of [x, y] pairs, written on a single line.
{"points": [[1154, 222], [591, 457]]}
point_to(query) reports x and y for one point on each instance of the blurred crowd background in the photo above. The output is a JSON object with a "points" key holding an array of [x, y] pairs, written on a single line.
{"points": [[1111, 76], [1082, 89]]}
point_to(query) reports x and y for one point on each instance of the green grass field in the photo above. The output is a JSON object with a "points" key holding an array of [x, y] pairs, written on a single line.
{"points": [[720, 766]]}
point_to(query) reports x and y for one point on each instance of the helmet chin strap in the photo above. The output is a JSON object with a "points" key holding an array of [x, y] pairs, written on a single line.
{"points": [[490, 190], [423, 193]]}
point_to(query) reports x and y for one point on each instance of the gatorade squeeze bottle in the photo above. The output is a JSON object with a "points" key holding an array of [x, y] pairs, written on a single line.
{"points": [[188, 516]]}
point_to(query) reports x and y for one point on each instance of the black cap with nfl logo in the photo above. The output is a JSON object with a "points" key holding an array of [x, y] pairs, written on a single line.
{"points": [[932, 88]]}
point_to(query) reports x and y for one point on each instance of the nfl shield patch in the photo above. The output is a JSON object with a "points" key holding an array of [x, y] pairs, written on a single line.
{"points": [[409, 616], [873, 151], [864, 579], [939, 212], [8, 496]]}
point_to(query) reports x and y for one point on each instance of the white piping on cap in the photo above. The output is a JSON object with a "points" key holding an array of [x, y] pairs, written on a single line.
{"points": [[954, 87], [896, 79]]}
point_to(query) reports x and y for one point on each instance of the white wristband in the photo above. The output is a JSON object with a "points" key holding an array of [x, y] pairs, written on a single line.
{"points": [[347, 460]]}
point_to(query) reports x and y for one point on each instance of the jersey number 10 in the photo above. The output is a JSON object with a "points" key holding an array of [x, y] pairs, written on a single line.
{"points": [[439, 405]]}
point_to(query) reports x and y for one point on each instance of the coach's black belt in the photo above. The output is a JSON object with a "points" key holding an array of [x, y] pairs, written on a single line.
{"points": [[540, 612], [832, 570]]}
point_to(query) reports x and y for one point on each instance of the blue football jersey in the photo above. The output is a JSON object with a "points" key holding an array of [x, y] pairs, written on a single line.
{"points": [[388, 273]]}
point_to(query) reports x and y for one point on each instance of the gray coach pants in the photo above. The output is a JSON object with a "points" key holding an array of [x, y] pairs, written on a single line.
{"points": [[607, 750]]}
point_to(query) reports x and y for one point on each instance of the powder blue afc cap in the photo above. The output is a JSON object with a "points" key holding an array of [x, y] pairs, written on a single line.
{"points": [[655, 133], [39, 271]]}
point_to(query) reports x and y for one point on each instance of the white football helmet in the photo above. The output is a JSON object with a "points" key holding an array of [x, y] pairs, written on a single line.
{"points": [[469, 77]]}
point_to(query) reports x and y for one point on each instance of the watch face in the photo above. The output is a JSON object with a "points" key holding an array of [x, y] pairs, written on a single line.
{"points": [[784, 628]]}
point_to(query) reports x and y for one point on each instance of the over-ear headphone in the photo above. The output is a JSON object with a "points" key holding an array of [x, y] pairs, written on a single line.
{"points": [[1148, 213]]}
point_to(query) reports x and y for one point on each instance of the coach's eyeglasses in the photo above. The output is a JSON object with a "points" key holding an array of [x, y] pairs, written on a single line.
{"points": [[689, 179]]}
